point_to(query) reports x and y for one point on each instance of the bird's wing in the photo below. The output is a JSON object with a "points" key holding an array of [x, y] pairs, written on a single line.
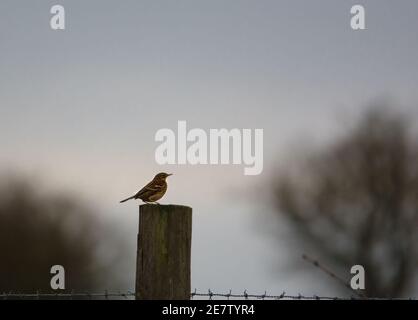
{"points": [[152, 186]]}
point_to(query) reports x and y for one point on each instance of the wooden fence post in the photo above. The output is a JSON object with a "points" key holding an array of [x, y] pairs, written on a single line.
{"points": [[164, 252]]}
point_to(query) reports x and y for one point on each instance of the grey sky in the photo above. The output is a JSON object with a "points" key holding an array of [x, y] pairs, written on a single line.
{"points": [[81, 106]]}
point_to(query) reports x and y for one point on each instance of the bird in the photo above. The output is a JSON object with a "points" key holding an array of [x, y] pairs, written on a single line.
{"points": [[153, 191]]}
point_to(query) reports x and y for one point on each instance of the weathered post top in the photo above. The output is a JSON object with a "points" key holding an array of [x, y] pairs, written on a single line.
{"points": [[164, 252]]}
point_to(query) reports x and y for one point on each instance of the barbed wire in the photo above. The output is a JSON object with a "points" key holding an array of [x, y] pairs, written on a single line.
{"points": [[283, 296], [248, 296], [70, 295], [210, 295]]}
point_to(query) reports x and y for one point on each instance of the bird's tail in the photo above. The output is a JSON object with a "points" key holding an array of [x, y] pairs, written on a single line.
{"points": [[128, 199]]}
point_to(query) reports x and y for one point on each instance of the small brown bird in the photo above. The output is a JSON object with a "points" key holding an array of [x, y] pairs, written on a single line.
{"points": [[154, 190]]}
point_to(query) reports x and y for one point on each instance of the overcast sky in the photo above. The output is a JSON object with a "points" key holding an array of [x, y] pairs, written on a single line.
{"points": [[80, 107]]}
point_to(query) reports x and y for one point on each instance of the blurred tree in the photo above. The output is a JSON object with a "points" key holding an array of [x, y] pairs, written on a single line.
{"points": [[38, 231], [357, 202]]}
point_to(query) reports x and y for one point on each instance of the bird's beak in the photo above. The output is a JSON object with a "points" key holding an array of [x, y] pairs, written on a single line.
{"points": [[170, 174]]}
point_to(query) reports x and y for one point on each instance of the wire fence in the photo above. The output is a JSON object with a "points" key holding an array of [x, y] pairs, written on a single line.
{"points": [[265, 296], [209, 295], [67, 296]]}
